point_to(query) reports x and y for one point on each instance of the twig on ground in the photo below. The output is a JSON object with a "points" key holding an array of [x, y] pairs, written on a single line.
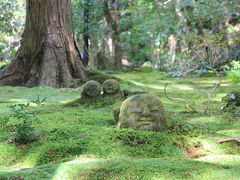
{"points": [[209, 95], [187, 102], [228, 140]]}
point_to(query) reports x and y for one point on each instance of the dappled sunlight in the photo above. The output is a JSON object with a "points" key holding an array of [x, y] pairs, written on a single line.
{"points": [[230, 132], [180, 87], [18, 100], [119, 90], [138, 83], [67, 132], [211, 147], [156, 87], [66, 170], [221, 159]]}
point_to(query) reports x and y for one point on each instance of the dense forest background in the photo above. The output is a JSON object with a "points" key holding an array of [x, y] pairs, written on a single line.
{"points": [[178, 37], [66, 89]]}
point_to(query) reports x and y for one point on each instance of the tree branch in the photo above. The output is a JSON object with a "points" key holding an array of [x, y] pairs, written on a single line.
{"points": [[228, 140], [209, 95], [187, 102]]}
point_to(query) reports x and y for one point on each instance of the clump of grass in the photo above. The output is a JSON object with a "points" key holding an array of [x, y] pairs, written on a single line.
{"points": [[187, 129], [9, 154]]}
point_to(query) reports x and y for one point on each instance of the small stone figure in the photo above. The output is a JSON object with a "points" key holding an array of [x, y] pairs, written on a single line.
{"points": [[142, 112], [111, 88], [91, 90]]}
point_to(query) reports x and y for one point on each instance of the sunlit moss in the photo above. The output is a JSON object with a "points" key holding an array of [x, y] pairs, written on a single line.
{"points": [[70, 132]]}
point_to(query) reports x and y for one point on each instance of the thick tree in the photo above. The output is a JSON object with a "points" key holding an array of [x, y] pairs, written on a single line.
{"points": [[48, 54]]}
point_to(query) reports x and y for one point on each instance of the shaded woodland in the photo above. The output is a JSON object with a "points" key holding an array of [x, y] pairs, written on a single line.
{"points": [[110, 89]]}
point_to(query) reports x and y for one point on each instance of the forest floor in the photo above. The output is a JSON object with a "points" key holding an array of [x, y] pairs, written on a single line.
{"points": [[82, 142]]}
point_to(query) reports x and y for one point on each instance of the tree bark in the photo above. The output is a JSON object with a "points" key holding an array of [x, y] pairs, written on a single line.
{"points": [[86, 12], [113, 22], [153, 36], [48, 55]]}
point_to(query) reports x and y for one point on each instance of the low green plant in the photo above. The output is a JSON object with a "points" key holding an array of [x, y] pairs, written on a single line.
{"points": [[21, 121], [234, 74], [187, 129]]}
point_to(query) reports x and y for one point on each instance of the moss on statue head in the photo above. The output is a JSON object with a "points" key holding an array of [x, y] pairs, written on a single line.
{"points": [[91, 89], [142, 112]]}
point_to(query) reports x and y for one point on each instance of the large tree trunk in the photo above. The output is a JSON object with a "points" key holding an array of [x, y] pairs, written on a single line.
{"points": [[48, 54]]}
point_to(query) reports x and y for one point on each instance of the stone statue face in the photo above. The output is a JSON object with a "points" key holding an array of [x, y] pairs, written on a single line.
{"points": [[111, 86], [142, 112], [92, 88]]}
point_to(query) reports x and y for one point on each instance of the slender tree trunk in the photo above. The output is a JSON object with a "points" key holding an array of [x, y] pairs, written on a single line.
{"points": [[86, 32], [113, 22], [48, 54], [172, 43], [181, 17], [153, 38]]}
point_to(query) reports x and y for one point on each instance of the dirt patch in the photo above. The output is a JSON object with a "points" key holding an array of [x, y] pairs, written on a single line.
{"points": [[195, 153]]}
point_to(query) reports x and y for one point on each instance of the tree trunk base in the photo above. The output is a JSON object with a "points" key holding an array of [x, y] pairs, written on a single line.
{"points": [[48, 55]]}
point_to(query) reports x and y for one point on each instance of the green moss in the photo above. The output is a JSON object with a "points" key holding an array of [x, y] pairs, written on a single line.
{"points": [[71, 132], [99, 76], [9, 154]]}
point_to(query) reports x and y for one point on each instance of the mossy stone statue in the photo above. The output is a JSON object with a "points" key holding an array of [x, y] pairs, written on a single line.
{"points": [[91, 89], [111, 88], [142, 112], [116, 111], [91, 94]]}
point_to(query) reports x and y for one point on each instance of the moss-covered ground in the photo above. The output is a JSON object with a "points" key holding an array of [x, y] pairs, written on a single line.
{"points": [[82, 142]]}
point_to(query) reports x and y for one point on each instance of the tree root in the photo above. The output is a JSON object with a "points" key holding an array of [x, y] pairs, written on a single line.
{"points": [[228, 140]]}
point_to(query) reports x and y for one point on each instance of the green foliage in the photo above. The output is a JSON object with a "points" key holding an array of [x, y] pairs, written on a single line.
{"points": [[11, 27], [9, 154], [234, 74], [187, 129], [231, 103], [21, 121]]}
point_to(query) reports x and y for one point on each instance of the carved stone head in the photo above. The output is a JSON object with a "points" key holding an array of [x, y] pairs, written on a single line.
{"points": [[142, 112], [92, 89], [111, 86]]}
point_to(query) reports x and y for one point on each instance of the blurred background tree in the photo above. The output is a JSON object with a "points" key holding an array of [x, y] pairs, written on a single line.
{"points": [[12, 19], [174, 36]]}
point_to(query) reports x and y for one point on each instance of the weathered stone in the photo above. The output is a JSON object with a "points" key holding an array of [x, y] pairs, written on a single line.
{"points": [[142, 112], [231, 101], [91, 89], [111, 88], [116, 111]]}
